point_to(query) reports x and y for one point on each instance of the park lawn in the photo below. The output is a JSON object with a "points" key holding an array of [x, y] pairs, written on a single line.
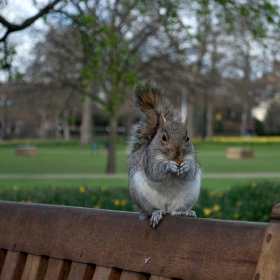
{"points": [[83, 160], [79, 160]]}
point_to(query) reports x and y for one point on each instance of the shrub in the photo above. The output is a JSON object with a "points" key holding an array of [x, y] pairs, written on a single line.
{"points": [[252, 202], [114, 198]]}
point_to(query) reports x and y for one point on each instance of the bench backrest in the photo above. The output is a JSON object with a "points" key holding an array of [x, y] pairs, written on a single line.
{"points": [[58, 242]]}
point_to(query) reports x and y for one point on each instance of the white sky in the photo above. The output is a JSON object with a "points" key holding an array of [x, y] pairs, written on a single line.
{"points": [[16, 11]]}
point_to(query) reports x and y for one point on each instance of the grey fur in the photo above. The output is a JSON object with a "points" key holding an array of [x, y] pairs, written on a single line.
{"points": [[159, 185]]}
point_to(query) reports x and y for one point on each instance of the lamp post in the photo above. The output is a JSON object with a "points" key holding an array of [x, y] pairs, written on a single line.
{"points": [[4, 102]]}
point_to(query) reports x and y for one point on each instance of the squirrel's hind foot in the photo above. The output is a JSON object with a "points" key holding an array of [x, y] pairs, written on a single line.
{"points": [[189, 213], [156, 217]]}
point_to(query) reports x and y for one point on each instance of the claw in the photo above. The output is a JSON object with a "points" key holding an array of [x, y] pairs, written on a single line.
{"points": [[189, 213], [156, 217]]}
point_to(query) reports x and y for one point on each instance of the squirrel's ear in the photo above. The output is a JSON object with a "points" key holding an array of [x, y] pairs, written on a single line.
{"points": [[185, 122], [162, 119]]}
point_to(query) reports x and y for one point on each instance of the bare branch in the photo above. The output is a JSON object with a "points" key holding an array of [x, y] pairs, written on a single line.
{"points": [[17, 27]]}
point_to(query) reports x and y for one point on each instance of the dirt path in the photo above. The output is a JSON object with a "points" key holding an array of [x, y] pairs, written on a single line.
{"points": [[124, 176]]}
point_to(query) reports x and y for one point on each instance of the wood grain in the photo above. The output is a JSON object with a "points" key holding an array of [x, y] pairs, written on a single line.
{"points": [[3, 254], [106, 273], [275, 214], [34, 268], [268, 266], [13, 266], [181, 247], [57, 269], [153, 277], [129, 275], [80, 271]]}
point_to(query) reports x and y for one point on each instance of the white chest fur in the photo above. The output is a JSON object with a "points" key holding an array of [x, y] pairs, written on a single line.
{"points": [[170, 195]]}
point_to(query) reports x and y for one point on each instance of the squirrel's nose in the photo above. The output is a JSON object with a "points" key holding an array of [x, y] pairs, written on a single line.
{"points": [[177, 153]]}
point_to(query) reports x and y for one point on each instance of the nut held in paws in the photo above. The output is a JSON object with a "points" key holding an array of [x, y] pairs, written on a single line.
{"points": [[177, 160]]}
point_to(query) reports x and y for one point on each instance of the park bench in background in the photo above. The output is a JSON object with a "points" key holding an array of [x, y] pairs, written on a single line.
{"points": [[58, 242]]}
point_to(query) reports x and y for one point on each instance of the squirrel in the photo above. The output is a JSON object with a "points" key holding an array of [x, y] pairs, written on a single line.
{"points": [[164, 175]]}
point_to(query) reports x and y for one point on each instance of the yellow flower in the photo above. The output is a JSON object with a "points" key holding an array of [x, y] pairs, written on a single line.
{"points": [[235, 215], [217, 208], [219, 116], [117, 202], [15, 188], [103, 188], [207, 212], [97, 206], [82, 189], [212, 193], [253, 184], [123, 202]]}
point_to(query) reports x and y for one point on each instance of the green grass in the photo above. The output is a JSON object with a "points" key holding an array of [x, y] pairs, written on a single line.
{"points": [[59, 160], [82, 160], [77, 159], [250, 199]]}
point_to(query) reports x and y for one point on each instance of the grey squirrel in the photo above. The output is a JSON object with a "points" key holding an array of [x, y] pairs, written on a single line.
{"points": [[164, 176]]}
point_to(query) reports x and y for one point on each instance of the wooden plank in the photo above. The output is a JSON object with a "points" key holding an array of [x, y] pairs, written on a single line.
{"points": [[34, 268], [106, 273], [238, 153], [129, 275], [180, 247], [80, 271], [275, 213], [153, 277], [3, 254], [57, 269], [13, 266], [269, 259]]}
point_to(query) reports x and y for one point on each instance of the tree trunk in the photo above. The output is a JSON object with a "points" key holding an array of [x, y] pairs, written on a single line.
{"points": [[42, 131], [190, 111], [244, 118], [209, 117], [65, 126], [87, 124], [111, 159]]}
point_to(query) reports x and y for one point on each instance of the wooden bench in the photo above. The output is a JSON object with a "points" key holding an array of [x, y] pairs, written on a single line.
{"points": [[58, 242], [26, 151], [238, 153]]}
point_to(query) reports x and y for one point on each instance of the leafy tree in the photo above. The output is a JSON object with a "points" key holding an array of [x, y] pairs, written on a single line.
{"points": [[111, 33]]}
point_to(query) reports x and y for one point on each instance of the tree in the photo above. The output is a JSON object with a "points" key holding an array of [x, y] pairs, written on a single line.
{"points": [[111, 34], [7, 27]]}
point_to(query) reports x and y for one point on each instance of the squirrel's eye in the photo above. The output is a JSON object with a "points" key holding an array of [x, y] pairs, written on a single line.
{"points": [[164, 137], [188, 138]]}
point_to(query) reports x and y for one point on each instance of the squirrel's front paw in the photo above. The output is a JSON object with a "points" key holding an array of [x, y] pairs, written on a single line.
{"points": [[156, 217], [173, 167], [187, 168]]}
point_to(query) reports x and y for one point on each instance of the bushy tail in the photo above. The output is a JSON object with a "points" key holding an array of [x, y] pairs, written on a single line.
{"points": [[149, 100]]}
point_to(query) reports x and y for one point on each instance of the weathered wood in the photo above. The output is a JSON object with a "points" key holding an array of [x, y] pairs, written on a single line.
{"points": [[34, 268], [275, 214], [153, 277], [106, 273], [180, 247], [268, 266], [80, 271], [57, 269], [13, 266], [26, 151], [3, 254], [238, 153], [129, 275]]}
